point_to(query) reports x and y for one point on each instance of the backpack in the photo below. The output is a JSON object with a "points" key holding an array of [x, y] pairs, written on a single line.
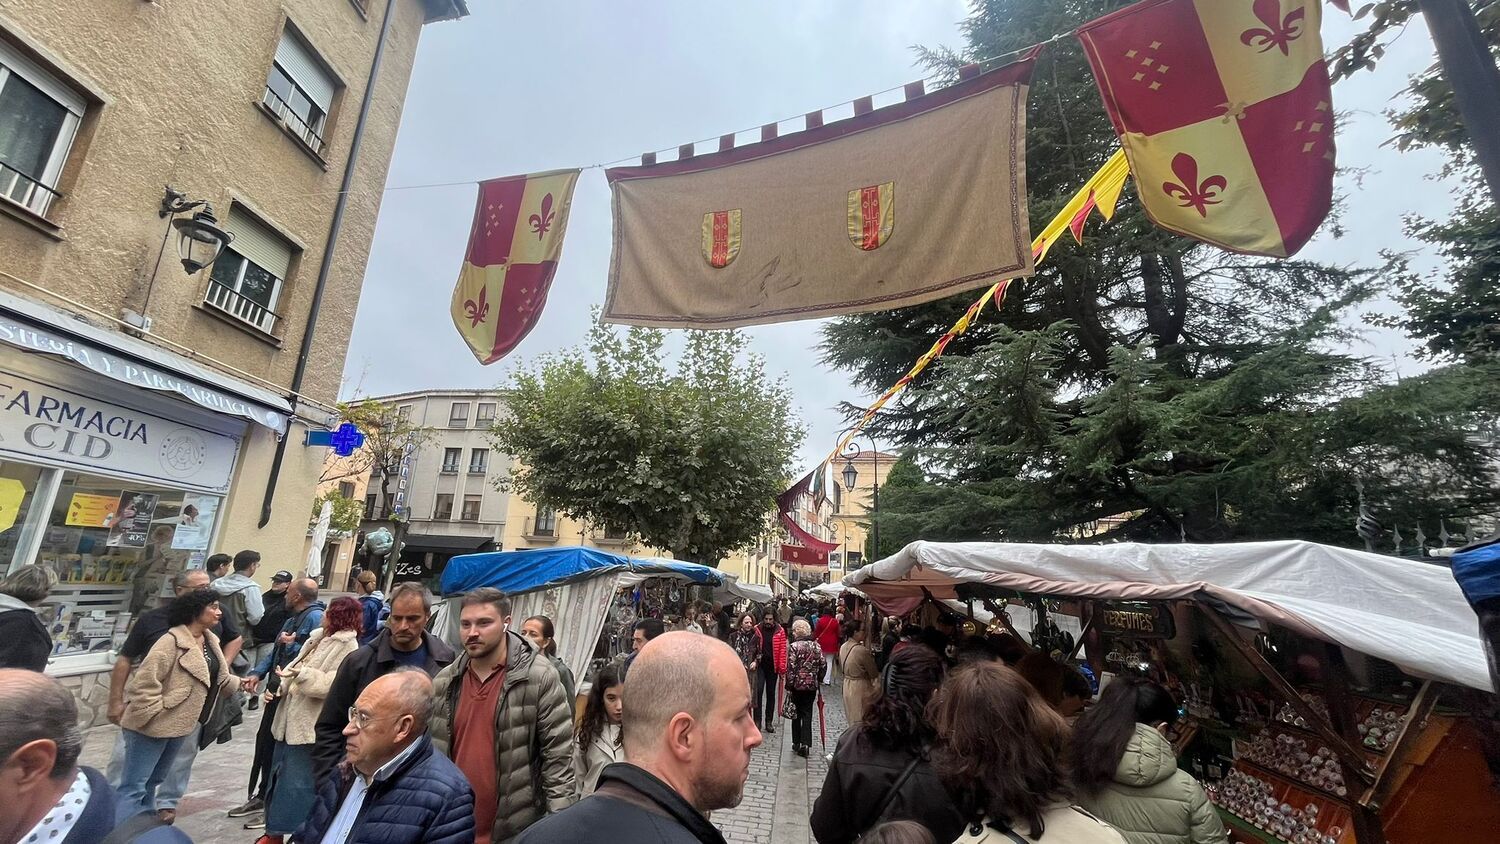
{"points": [[802, 671], [375, 614]]}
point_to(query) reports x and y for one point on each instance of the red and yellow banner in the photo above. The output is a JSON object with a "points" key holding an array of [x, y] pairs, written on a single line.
{"points": [[1225, 111], [514, 247]]}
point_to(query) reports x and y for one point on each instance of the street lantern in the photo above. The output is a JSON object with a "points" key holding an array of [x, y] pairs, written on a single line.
{"points": [[851, 475], [200, 240]]}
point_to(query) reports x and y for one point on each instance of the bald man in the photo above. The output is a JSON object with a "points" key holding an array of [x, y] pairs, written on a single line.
{"points": [[48, 796], [688, 733], [392, 787]]}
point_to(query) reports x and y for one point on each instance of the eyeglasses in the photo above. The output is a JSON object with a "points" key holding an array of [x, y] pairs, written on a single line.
{"points": [[362, 720]]}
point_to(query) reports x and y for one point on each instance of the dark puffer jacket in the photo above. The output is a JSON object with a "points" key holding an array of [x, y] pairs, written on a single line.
{"points": [[357, 671], [423, 800], [533, 736]]}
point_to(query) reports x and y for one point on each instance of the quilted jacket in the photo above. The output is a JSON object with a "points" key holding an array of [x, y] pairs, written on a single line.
{"points": [[166, 692], [1151, 802], [302, 695], [533, 736], [423, 800]]}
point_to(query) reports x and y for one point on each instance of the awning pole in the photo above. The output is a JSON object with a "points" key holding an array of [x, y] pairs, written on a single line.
{"points": [[1336, 682], [1416, 717]]}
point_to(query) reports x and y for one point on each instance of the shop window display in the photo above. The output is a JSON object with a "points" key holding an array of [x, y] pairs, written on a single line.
{"points": [[115, 546]]}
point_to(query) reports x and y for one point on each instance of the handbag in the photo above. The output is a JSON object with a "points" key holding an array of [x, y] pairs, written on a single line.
{"points": [[789, 709]]}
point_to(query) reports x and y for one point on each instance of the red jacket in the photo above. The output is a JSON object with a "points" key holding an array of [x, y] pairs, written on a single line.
{"points": [[778, 646], [828, 634]]}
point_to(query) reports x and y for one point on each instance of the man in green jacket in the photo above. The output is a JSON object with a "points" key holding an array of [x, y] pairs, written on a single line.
{"points": [[501, 715]]}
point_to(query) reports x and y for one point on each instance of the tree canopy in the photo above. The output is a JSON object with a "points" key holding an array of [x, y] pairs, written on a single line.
{"points": [[1145, 386], [690, 460]]}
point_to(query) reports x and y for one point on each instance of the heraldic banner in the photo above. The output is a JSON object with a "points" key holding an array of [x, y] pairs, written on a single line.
{"points": [[890, 207], [1224, 110], [514, 246]]}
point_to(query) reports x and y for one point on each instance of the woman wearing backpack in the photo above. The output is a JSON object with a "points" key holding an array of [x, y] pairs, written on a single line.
{"points": [[804, 670]]}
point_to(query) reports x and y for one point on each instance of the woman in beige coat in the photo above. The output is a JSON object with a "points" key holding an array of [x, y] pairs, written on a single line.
{"points": [[861, 677], [305, 682], [173, 690]]}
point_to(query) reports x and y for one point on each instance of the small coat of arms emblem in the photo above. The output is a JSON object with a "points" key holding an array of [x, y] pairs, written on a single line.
{"points": [[872, 215], [721, 237]]}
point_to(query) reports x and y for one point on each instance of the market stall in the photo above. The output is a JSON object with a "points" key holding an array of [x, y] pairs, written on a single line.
{"points": [[1330, 693], [590, 595]]}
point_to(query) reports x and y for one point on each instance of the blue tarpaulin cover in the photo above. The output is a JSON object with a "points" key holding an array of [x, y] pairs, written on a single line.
{"points": [[514, 572], [1477, 570]]}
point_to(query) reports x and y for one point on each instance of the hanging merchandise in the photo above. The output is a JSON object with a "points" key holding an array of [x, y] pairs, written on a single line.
{"points": [[514, 247], [1226, 113], [856, 215]]}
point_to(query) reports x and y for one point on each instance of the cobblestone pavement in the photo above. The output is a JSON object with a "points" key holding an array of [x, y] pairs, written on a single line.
{"points": [[778, 795]]}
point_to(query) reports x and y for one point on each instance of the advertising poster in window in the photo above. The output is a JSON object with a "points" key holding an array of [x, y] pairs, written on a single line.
{"points": [[87, 509], [130, 523], [195, 524]]}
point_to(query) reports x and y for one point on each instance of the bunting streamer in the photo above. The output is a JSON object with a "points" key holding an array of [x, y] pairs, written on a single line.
{"points": [[1100, 193]]}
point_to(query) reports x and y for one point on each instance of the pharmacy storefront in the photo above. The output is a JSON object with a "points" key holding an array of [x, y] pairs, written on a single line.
{"points": [[114, 485]]}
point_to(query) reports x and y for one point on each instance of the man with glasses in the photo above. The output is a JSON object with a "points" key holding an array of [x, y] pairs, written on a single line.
{"points": [[392, 786], [404, 641]]}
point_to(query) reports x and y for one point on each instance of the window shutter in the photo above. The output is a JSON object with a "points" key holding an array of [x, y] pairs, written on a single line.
{"points": [[300, 63], [261, 245]]}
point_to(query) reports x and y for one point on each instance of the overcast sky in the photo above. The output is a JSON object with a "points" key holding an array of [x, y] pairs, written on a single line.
{"points": [[518, 88]]}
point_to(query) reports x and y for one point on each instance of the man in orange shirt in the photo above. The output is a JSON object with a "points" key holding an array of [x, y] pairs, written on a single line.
{"points": [[500, 713]]}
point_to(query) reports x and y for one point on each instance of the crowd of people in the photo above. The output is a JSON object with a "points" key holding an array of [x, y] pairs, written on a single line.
{"points": [[389, 736]]}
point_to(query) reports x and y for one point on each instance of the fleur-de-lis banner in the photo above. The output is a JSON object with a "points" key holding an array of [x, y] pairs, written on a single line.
{"points": [[514, 247], [1224, 110], [859, 214]]}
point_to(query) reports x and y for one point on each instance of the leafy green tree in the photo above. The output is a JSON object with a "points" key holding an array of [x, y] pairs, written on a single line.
{"points": [[689, 460], [345, 515], [1144, 386]]}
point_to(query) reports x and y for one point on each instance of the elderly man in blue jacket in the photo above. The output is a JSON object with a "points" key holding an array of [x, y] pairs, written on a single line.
{"points": [[392, 787]]}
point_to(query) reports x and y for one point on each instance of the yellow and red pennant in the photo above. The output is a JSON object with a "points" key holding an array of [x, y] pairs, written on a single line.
{"points": [[514, 246]]}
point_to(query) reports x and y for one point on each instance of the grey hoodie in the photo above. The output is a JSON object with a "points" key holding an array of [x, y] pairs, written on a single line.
{"points": [[232, 583]]}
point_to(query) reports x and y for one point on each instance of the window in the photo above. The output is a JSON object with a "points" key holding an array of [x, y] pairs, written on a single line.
{"points": [[299, 90], [443, 509], [370, 506], [246, 280], [614, 533], [450, 459], [485, 417], [458, 415], [856, 559], [346, 489], [546, 522], [471, 508], [38, 118], [478, 461], [403, 412]]}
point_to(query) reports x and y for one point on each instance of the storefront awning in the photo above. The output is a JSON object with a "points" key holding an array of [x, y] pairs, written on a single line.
{"points": [[440, 543], [34, 327]]}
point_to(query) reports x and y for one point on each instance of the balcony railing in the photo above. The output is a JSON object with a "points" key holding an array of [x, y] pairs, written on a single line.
{"points": [[547, 530], [292, 120], [245, 310], [26, 191]]}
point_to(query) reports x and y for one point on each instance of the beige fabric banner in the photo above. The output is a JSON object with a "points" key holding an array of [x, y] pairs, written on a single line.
{"points": [[891, 207]]}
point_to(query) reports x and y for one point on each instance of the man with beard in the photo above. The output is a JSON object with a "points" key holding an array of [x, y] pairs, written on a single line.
{"points": [[500, 713], [403, 641], [688, 733]]}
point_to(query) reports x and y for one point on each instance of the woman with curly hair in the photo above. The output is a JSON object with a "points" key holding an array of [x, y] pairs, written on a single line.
{"points": [[305, 683], [1000, 755], [880, 770], [597, 739]]}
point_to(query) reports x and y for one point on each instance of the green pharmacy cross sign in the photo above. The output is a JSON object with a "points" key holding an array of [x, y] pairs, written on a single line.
{"points": [[345, 440]]}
